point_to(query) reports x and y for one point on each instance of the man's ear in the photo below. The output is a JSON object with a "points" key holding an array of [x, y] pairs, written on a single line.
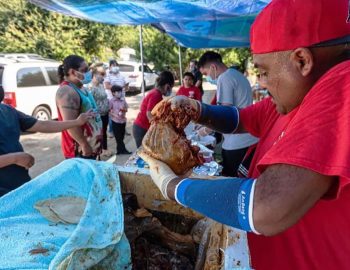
{"points": [[303, 60]]}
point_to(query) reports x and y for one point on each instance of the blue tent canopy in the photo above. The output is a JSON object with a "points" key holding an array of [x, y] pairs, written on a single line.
{"points": [[192, 23]]}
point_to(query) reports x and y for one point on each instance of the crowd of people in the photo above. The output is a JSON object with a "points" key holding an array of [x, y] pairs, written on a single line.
{"points": [[93, 96]]}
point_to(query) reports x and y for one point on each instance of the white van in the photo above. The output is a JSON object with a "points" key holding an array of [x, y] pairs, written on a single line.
{"points": [[30, 86], [133, 75]]}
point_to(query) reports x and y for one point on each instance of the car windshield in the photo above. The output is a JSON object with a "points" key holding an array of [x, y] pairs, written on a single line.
{"points": [[126, 68]]}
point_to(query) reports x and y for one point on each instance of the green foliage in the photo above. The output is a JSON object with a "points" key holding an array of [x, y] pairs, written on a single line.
{"points": [[29, 29]]}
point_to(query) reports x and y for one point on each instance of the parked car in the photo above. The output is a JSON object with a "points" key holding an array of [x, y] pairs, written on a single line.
{"points": [[30, 86], [133, 74], [23, 56]]}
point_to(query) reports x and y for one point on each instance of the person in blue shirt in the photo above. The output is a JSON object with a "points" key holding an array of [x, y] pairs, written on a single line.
{"points": [[14, 162]]}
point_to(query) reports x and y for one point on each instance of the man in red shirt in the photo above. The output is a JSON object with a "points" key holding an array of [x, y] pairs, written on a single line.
{"points": [[188, 89], [297, 200]]}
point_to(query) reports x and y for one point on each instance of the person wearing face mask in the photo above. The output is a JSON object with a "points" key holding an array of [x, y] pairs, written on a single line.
{"points": [[114, 78], [164, 85], [14, 162], [72, 98], [100, 96], [233, 89], [118, 108]]}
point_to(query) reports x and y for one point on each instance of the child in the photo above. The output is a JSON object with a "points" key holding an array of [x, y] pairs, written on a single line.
{"points": [[118, 108], [188, 89]]}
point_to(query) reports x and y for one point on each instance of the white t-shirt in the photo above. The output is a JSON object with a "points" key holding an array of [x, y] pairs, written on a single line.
{"points": [[115, 79], [234, 89]]}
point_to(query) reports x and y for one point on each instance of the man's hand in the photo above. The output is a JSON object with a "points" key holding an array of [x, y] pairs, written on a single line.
{"points": [[84, 117], [23, 159], [179, 101], [161, 174], [86, 150]]}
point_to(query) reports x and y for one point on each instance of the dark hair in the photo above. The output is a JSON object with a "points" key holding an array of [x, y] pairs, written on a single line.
{"points": [[194, 61], [113, 62], [71, 61], [165, 77], [116, 88], [188, 74], [209, 57]]}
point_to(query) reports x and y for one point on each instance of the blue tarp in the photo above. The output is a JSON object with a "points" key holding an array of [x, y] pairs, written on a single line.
{"points": [[30, 241], [192, 23]]}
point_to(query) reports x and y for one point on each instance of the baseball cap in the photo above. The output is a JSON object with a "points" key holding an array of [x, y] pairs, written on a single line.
{"points": [[289, 24]]}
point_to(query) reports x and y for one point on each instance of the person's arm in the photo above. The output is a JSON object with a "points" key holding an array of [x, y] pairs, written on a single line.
{"points": [[19, 158], [274, 202], [224, 119], [68, 101], [199, 83], [149, 116], [57, 126], [108, 85], [199, 78], [153, 100]]}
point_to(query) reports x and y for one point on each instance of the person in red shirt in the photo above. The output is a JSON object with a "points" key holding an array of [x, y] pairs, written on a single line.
{"points": [[164, 85], [188, 89], [296, 200]]}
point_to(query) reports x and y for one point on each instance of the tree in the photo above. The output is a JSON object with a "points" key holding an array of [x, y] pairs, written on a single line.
{"points": [[29, 29]]}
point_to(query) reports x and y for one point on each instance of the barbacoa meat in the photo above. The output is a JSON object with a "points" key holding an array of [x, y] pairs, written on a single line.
{"points": [[166, 140]]}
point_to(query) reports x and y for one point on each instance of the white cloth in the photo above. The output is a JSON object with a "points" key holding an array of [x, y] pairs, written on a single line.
{"points": [[234, 89], [115, 79]]}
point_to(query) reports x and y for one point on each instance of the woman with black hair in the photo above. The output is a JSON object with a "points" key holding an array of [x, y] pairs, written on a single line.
{"points": [[72, 98], [164, 85]]}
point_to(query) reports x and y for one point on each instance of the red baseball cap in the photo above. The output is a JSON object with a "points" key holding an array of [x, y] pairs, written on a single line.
{"points": [[289, 24]]}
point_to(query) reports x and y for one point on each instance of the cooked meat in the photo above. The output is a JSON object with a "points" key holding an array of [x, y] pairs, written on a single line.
{"points": [[166, 139]]}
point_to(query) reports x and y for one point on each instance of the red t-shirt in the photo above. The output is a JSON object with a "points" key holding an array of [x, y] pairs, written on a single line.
{"points": [[191, 92], [152, 99], [316, 135]]}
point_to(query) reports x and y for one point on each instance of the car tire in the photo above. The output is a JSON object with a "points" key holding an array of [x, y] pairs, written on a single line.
{"points": [[42, 113]]}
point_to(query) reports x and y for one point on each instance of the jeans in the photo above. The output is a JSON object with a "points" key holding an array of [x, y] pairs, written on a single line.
{"points": [[119, 134], [105, 119], [138, 133]]}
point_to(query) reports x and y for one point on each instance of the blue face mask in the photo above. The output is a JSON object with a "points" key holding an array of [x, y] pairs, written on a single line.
{"points": [[210, 80], [87, 77]]}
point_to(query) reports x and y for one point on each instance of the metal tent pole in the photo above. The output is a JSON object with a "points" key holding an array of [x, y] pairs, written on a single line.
{"points": [[142, 64], [180, 64]]}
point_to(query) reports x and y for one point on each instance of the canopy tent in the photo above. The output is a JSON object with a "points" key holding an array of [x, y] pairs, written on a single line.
{"points": [[192, 23]]}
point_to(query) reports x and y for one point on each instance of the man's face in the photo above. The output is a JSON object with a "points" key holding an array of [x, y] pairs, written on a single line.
{"points": [[210, 70], [279, 75]]}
